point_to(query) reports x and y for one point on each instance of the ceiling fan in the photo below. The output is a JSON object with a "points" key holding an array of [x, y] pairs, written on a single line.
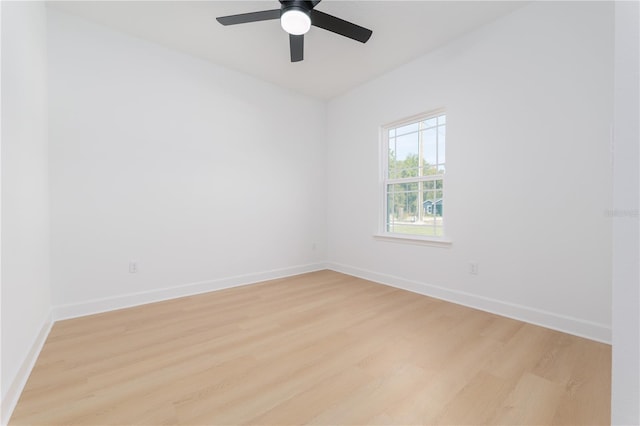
{"points": [[296, 17]]}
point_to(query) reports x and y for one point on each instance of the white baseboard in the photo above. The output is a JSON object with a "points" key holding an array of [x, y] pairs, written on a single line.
{"points": [[10, 399], [566, 324], [97, 306]]}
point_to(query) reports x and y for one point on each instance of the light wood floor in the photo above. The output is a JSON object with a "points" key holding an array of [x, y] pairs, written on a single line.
{"points": [[320, 348]]}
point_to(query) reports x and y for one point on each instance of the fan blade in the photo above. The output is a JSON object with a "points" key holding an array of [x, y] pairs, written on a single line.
{"points": [[244, 18], [296, 45], [340, 26]]}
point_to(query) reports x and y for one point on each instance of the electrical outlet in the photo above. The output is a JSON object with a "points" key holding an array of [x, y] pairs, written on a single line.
{"points": [[473, 268], [133, 267]]}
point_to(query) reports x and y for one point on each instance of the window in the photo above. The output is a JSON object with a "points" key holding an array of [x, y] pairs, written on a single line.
{"points": [[413, 175]]}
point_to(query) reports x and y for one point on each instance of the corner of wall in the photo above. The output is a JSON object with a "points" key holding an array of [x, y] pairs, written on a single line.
{"points": [[12, 395]]}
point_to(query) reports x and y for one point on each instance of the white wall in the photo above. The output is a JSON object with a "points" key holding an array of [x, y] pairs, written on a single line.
{"points": [[26, 299], [626, 255], [200, 174], [529, 115]]}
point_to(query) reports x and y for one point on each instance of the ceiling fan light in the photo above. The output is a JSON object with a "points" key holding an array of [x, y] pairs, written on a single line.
{"points": [[295, 22]]}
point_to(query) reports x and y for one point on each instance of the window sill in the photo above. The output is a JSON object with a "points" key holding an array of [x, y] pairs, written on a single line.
{"points": [[414, 239]]}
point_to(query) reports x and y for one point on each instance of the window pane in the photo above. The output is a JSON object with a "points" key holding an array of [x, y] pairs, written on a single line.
{"points": [[431, 122], [429, 142], [390, 209], [409, 128], [414, 209], [391, 160], [442, 119], [406, 146], [432, 204], [441, 138], [403, 197], [406, 156], [422, 230]]}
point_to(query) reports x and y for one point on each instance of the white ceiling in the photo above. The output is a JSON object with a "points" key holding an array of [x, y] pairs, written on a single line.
{"points": [[402, 31]]}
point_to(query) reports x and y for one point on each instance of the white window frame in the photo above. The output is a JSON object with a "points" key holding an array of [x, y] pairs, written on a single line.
{"points": [[382, 234]]}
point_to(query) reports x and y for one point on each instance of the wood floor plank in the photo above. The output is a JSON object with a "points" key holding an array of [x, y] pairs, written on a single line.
{"points": [[477, 402], [319, 348], [534, 399], [305, 406]]}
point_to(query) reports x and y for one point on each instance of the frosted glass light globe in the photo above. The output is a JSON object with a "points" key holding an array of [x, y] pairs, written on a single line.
{"points": [[295, 22]]}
